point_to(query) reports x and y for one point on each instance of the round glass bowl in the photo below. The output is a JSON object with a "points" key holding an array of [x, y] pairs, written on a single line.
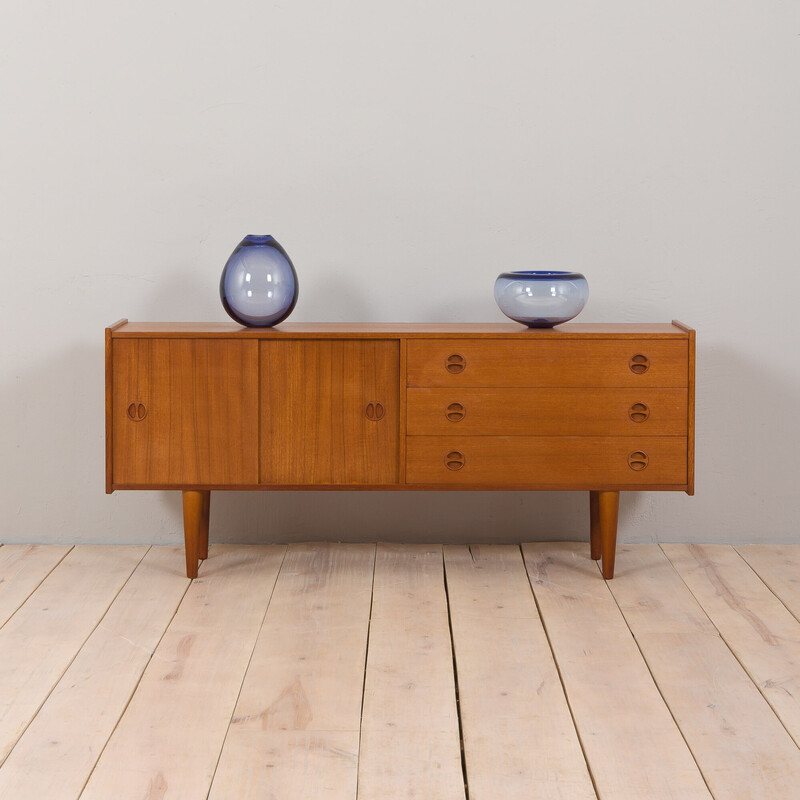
{"points": [[258, 287], [541, 299]]}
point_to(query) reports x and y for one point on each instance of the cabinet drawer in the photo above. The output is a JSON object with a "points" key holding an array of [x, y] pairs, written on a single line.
{"points": [[548, 363], [562, 461], [546, 412]]}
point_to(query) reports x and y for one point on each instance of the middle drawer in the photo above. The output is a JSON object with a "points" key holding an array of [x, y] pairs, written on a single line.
{"points": [[546, 412]]}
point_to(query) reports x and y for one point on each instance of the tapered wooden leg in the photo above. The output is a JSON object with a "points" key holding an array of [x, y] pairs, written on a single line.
{"points": [[594, 525], [202, 549], [608, 505], [192, 529]]}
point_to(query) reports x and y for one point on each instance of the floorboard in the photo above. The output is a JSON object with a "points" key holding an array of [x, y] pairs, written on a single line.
{"points": [[779, 568], [632, 744], [517, 728], [756, 625], [168, 742], [40, 640], [295, 731], [22, 569], [400, 672], [409, 729], [708, 692], [58, 751]]}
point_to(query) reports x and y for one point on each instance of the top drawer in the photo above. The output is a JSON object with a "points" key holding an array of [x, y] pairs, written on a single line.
{"points": [[600, 363]]}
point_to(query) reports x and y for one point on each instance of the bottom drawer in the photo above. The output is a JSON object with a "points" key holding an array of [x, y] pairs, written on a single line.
{"points": [[547, 460]]}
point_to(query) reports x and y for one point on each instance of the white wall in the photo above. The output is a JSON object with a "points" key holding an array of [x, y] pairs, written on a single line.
{"points": [[404, 154]]}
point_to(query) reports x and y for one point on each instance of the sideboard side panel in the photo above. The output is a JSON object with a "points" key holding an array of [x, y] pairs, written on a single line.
{"points": [[315, 428], [109, 413], [195, 411], [691, 412]]}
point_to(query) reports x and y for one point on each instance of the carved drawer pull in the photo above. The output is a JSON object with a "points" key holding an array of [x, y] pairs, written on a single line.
{"points": [[137, 411], [638, 461], [455, 363], [454, 460], [375, 411], [639, 364], [455, 412], [639, 412]]}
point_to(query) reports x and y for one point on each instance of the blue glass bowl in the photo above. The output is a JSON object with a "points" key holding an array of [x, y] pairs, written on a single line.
{"points": [[541, 299], [258, 287]]}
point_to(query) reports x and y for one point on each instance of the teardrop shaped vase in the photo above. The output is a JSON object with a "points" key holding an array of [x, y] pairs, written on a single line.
{"points": [[258, 287]]}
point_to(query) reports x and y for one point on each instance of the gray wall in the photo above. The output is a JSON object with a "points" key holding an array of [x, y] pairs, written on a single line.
{"points": [[404, 154]]}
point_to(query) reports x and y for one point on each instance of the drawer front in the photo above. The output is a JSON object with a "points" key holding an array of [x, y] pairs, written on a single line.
{"points": [[547, 412], [563, 461], [548, 363]]}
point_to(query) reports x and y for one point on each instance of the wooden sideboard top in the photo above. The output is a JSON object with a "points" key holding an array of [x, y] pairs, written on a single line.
{"points": [[394, 330]]}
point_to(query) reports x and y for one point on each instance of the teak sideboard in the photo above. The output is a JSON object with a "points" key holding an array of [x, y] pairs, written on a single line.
{"points": [[198, 407]]}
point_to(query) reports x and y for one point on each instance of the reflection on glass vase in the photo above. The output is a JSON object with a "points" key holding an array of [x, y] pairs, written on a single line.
{"points": [[258, 287]]}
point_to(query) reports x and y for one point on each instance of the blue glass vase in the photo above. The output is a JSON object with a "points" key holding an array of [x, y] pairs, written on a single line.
{"points": [[541, 299], [258, 287]]}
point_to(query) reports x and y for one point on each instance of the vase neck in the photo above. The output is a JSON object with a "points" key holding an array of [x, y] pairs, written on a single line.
{"points": [[253, 239]]}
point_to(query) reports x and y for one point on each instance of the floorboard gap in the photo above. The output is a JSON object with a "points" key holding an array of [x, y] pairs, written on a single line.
{"points": [[366, 661], [455, 677]]}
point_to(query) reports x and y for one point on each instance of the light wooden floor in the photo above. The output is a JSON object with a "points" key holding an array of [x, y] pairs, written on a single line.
{"points": [[400, 671]]}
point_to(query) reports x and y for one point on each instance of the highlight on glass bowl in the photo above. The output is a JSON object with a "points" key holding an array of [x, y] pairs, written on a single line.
{"points": [[541, 298]]}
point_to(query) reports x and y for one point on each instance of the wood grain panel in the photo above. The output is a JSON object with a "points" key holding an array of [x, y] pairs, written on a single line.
{"points": [[549, 460], [543, 363], [546, 412], [315, 427], [195, 409]]}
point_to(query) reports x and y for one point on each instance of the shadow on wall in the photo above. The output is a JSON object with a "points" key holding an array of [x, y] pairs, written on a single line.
{"points": [[458, 516]]}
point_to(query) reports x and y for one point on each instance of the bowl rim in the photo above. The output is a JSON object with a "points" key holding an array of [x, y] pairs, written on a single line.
{"points": [[542, 275]]}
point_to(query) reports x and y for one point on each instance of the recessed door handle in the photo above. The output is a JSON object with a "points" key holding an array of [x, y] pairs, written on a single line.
{"points": [[137, 411], [375, 412]]}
